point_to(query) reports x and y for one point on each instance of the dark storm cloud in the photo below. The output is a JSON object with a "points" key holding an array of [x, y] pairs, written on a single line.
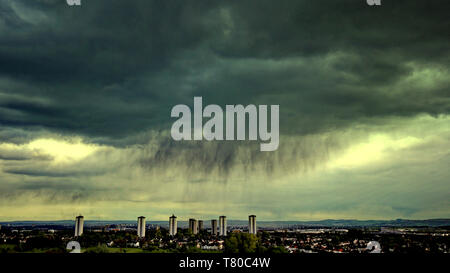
{"points": [[351, 80], [112, 70], [103, 42], [292, 28]]}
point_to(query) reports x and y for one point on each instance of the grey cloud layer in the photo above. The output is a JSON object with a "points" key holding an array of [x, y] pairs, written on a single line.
{"points": [[111, 70]]}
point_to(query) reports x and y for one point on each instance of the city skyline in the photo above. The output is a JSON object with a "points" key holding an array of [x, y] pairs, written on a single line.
{"points": [[244, 238], [195, 226]]}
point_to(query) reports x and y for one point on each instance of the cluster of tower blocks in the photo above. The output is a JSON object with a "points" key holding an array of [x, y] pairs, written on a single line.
{"points": [[194, 225]]}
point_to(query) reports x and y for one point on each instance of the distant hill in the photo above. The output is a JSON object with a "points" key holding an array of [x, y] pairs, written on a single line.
{"points": [[262, 224]]}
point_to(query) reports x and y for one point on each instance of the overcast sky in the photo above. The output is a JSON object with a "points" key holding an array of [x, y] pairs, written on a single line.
{"points": [[86, 94]]}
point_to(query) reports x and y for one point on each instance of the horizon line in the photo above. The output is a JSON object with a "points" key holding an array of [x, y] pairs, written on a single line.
{"points": [[230, 219]]}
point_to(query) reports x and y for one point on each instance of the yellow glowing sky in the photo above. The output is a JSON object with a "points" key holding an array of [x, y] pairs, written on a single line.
{"points": [[63, 151]]}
